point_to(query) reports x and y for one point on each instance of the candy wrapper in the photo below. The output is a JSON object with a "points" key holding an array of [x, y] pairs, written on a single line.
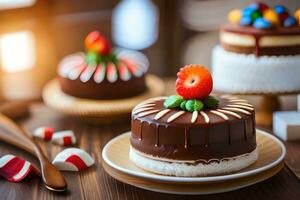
{"points": [[65, 138], [16, 169], [73, 159], [45, 133]]}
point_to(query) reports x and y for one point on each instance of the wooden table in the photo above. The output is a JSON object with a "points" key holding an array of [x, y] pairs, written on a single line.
{"points": [[94, 183]]}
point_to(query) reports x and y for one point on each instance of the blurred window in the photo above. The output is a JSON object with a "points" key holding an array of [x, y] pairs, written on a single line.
{"points": [[17, 51], [10, 4], [135, 24]]}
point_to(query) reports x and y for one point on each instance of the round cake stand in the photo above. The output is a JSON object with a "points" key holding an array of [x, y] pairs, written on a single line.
{"points": [[98, 111], [268, 104]]}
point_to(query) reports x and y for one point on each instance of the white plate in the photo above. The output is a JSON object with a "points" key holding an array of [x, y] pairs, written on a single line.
{"points": [[150, 176]]}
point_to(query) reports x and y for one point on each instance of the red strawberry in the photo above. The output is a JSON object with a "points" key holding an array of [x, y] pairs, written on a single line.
{"points": [[96, 42], [194, 82]]}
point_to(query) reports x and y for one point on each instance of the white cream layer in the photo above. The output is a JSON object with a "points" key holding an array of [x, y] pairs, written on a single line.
{"points": [[240, 73], [188, 170], [245, 40]]}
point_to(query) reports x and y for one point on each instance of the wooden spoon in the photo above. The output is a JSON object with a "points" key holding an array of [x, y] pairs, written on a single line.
{"points": [[14, 109], [11, 133]]}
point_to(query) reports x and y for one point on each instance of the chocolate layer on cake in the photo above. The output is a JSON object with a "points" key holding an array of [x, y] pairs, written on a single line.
{"points": [[249, 40], [106, 90], [200, 136]]}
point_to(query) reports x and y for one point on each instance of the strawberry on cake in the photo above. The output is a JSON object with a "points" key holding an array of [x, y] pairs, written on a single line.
{"points": [[193, 133]]}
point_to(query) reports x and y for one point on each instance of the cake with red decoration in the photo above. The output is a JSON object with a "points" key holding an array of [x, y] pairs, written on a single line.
{"points": [[193, 133], [259, 51], [102, 73]]}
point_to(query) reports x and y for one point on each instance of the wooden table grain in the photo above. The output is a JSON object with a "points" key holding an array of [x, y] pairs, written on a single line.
{"points": [[95, 183]]}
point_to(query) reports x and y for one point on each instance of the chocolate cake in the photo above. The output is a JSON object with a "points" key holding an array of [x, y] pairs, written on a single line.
{"points": [[259, 51], [101, 73], [185, 142]]}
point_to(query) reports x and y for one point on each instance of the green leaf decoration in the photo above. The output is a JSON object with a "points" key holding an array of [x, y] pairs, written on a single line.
{"points": [[92, 57], [182, 105], [194, 105], [191, 105], [173, 101], [110, 58], [211, 102], [113, 57], [198, 105]]}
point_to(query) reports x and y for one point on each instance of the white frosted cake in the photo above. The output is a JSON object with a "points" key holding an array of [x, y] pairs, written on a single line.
{"points": [[241, 73], [259, 51]]}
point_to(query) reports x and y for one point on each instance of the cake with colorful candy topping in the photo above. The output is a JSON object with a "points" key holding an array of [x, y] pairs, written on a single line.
{"points": [[101, 73], [257, 45], [193, 133]]}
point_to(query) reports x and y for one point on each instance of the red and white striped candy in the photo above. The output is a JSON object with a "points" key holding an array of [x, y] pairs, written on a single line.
{"points": [[73, 159], [45, 133], [15, 169], [65, 138]]}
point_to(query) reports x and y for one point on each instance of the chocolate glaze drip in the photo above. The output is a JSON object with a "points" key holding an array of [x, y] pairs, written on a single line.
{"points": [[245, 129], [141, 131], [229, 131], [157, 136], [206, 139], [258, 34], [181, 139], [186, 137], [257, 49], [253, 125]]}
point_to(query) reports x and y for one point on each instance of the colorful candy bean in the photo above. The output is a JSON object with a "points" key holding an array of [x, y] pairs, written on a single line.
{"points": [[245, 21], [247, 12], [256, 14], [283, 16], [297, 16], [262, 7], [234, 16], [280, 9], [271, 16], [290, 21], [261, 23]]}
